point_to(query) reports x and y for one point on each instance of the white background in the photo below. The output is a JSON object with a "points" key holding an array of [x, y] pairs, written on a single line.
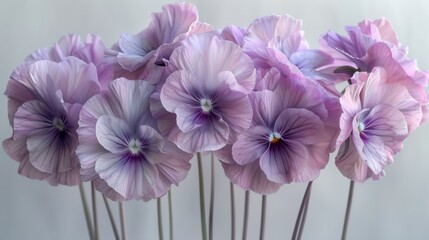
{"points": [[394, 208]]}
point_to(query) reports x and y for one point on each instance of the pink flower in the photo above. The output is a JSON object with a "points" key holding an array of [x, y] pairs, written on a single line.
{"points": [[277, 41], [120, 148], [90, 51], [145, 54], [44, 106], [208, 93], [377, 117]]}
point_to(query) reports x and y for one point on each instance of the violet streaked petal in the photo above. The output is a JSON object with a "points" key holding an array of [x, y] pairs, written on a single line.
{"points": [[266, 107], [283, 160], [178, 89], [250, 177], [251, 144], [378, 134], [113, 134], [131, 178], [299, 125], [350, 163]]}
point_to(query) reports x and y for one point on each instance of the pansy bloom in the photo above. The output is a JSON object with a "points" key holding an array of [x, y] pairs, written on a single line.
{"points": [[208, 93], [278, 41], [290, 138], [120, 148], [144, 55], [44, 106], [377, 117]]}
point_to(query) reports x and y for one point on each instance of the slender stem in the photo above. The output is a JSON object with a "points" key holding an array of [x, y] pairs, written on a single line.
{"points": [[246, 214], [212, 195], [304, 215], [94, 211], [349, 206], [231, 189], [86, 211], [298, 221], [112, 220], [202, 202], [263, 213], [158, 206], [122, 218], [170, 213]]}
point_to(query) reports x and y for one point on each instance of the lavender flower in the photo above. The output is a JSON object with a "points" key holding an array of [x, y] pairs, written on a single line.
{"points": [[208, 94], [143, 55], [120, 148], [377, 117], [292, 132], [44, 107]]}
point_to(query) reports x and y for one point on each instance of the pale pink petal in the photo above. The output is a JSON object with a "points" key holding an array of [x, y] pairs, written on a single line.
{"points": [[250, 177]]}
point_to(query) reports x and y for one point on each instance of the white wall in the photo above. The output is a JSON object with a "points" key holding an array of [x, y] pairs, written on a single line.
{"points": [[396, 207]]}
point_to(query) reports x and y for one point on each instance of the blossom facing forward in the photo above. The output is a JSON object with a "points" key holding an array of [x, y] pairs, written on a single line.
{"points": [[120, 148], [44, 110], [208, 93]]}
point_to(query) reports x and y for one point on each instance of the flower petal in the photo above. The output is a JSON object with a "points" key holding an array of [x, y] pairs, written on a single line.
{"points": [[112, 133], [251, 144]]}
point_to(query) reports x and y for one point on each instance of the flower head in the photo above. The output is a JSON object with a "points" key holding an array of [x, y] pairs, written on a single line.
{"points": [[292, 132], [208, 93], [44, 109], [120, 148], [145, 54], [377, 117]]}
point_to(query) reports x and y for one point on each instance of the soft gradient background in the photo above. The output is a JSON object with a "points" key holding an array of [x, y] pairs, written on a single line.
{"points": [[394, 208]]}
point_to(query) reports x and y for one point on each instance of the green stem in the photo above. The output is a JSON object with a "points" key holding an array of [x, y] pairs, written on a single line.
{"points": [[231, 189], [122, 219], [94, 211], [263, 213], [212, 195], [158, 206], [170, 213], [349, 206], [86, 211], [246, 214], [112, 220], [202, 202]]}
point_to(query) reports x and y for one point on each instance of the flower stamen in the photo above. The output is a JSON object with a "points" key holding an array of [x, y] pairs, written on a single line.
{"points": [[206, 105], [134, 146], [274, 137]]}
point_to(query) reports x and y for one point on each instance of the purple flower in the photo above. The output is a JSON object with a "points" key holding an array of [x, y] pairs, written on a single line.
{"points": [[143, 55], [377, 117], [277, 41], [208, 93], [44, 107], [90, 51], [120, 148], [293, 130]]}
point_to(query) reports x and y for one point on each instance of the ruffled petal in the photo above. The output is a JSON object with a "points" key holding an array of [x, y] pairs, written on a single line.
{"points": [[113, 134]]}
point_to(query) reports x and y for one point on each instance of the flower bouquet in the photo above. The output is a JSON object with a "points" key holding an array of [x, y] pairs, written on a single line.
{"points": [[259, 100]]}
